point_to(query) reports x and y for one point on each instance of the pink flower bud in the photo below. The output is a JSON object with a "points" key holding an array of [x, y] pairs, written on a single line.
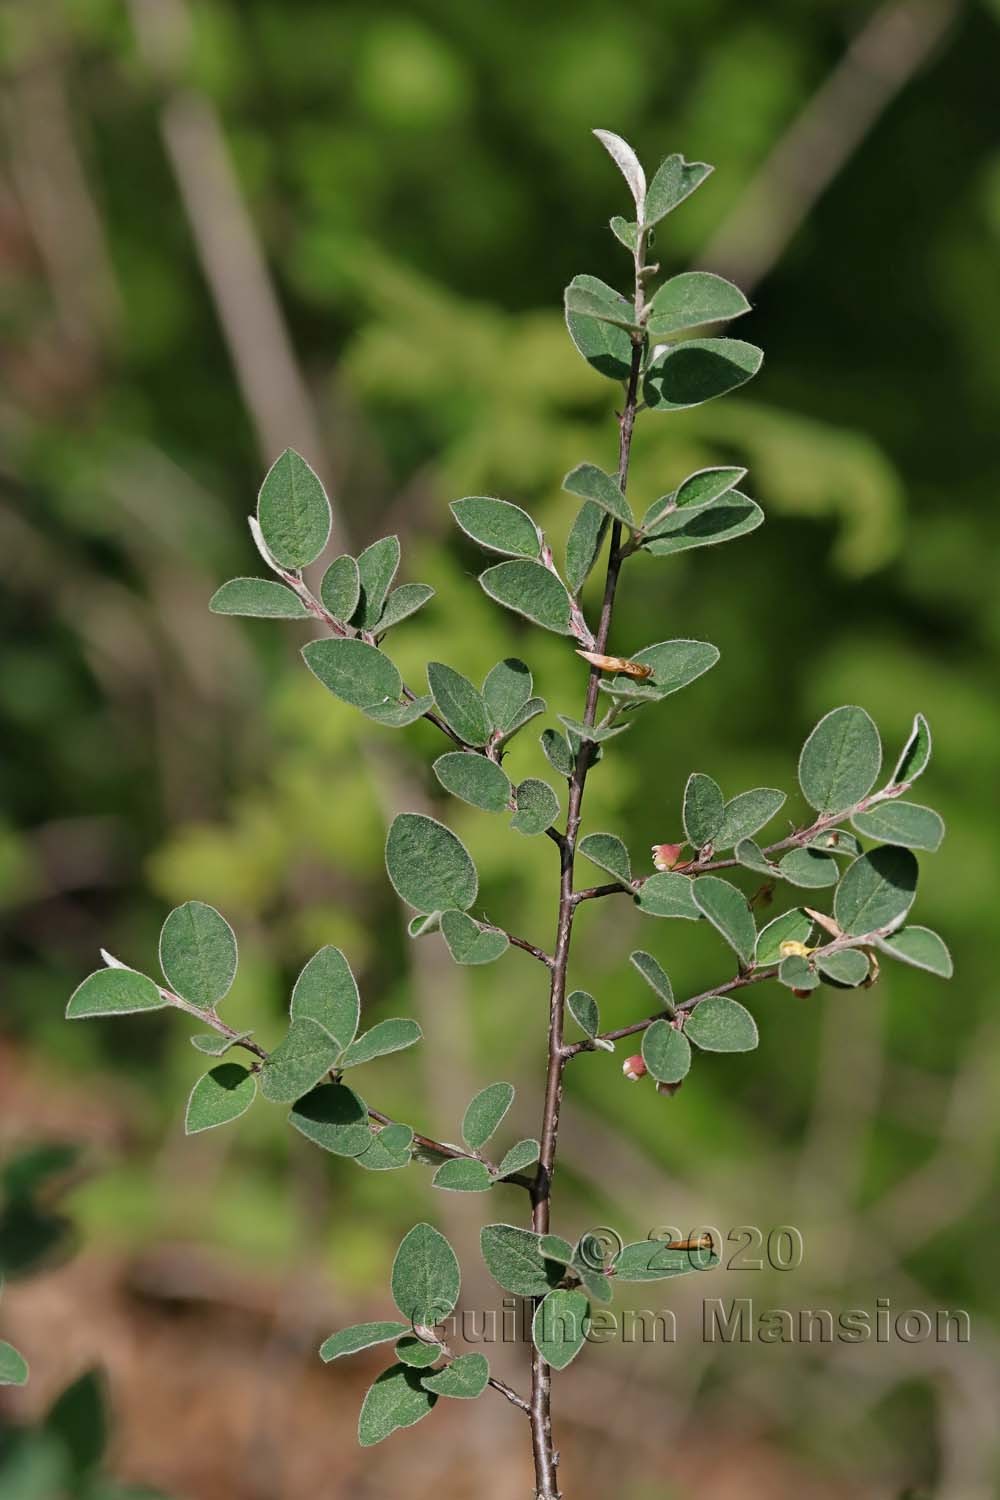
{"points": [[665, 856], [634, 1068]]}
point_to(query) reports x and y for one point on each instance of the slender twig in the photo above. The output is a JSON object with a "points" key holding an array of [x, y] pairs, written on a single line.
{"points": [[545, 1456]]}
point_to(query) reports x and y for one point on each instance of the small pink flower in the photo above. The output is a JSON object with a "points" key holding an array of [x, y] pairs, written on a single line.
{"points": [[634, 1068], [665, 856]]}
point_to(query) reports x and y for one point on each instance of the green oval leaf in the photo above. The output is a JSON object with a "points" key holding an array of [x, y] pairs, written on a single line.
{"points": [[469, 942], [605, 346], [555, 748], [377, 567], [668, 894], [198, 954], [591, 483], [354, 671], [655, 976], [920, 947], [722, 521], [791, 927], [498, 525], [396, 1400], [529, 589], [876, 891], [674, 664], [584, 543], [430, 869], [334, 1117], [522, 1154], [809, 868], [299, 1062], [537, 807], [747, 813], [425, 1276], [652, 1260], [326, 992], [463, 1175], [259, 599], [916, 754], [485, 1112], [340, 589], [607, 852], [559, 1327], [463, 1378], [584, 1010], [692, 299], [515, 1260], [13, 1366], [691, 373], [666, 1052], [722, 1025], [848, 967], [401, 604], [222, 1095], [704, 809], [674, 181], [293, 511], [506, 690], [840, 760], [906, 823], [113, 992], [475, 780], [360, 1336], [727, 910], [381, 1039], [461, 705]]}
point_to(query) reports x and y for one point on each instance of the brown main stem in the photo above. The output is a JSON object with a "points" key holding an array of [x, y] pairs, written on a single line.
{"points": [[545, 1456]]}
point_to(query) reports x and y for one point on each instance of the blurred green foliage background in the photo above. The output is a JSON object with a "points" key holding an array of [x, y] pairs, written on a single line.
{"points": [[231, 225]]}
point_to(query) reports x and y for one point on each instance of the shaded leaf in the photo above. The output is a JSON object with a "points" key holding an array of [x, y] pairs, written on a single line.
{"points": [[849, 966], [655, 976], [354, 671], [402, 603], [396, 1400], [722, 1025], [474, 779], [675, 180], [215, 1045], [498, 525], [326, 992], [399, 715], [198, 953], [377, 567], [529, 711], [299, 1062], [559, 1326], [697, 491], [293, 511], [840, 760], [791, 927], [222, 1095], [360, 1336], [666, 1052], [916, 753], [691, 299], [506, 690], [906, 823], [514, 1258], [876, 890], [381, 1039], [425, 1277], [727, 910], [469, 942], [258, 598], [809, 868], [591, 483], [668, 894], [113, 992], [522, 1154], [722, 521], [340, 589], [390, 1150], [698, 370], [529, 589], [920, 947], [463, 1175], [429, 867], [537, 807], [747, 813], [584, 1010], [752, 857], [485, 1112], [704, 809], [584, 543], [557, 752], [417, 1352], [463, 1378], [606, 347], [607, 852], [797, 973]]}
